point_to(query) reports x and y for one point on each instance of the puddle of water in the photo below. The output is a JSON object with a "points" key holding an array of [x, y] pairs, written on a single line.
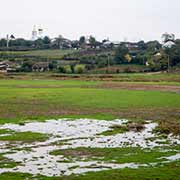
{"points": [[173, 158], [58, 169], [79, 133], [128, 139], [66, 128]]}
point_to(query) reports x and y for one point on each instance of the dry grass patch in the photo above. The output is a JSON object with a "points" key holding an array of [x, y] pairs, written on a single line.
{"points": [[168, 127]]}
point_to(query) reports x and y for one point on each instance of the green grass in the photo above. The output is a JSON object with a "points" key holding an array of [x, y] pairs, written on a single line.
{"points": [[42, 53], [116, 129], [24, 136], [151, 83], [44, 83], [47, 83], [142, 77], [4, 131], [42, 102], [119, 155], [15, 176], [7, 163], [41, 99], [91, 98], [121, 68], [50, 53]]}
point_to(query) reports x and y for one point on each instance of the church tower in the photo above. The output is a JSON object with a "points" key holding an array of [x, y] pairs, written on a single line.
{"points": [[34, 34]]}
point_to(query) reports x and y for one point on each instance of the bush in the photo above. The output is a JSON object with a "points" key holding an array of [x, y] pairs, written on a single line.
{"points": [[79, 69], [27, 66], [61, 69], [155, 67], [65, 69], [102, 63]]}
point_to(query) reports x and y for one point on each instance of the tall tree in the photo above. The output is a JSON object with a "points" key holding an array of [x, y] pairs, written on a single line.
{"points": [[168, 37], [82, 40], [59, 41], [92, 41], [46, 40], [120, 54]]}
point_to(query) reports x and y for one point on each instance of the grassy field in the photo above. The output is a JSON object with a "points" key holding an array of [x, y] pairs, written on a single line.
{"points": [[19, 99], [42, 53], [50, 53], [119, 68], [32, 97], [22, 102], [124, 77]]}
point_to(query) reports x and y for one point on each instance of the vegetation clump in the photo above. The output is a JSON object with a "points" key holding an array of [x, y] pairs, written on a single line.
{"points": [[24, 136], [7, 163], [168, 127], [115, 129]]}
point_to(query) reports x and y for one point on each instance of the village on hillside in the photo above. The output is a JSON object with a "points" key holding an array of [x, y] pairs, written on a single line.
{"points": [[87, 55]]}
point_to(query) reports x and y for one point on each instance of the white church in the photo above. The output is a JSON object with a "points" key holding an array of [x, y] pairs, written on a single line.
{"points": [[37, 33]]}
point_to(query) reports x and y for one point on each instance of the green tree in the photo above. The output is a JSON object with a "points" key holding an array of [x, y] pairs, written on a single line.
{"points": [[120, 54], [46, 40], [173, 53], [3, 42], [82, 40], [39, 43], [141, 45], [153, 46], [92, 41], [59, 41]]}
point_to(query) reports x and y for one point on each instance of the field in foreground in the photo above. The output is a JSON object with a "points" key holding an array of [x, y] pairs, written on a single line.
{"points": [[137, 97]]}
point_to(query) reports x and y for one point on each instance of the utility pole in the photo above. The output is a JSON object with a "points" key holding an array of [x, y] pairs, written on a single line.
{"points": [[7, 45], [108, 63], [168, 61], [7, 41]]}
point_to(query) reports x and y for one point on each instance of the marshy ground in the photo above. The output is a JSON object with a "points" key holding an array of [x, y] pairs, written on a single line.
{"points": [[120, 127]]}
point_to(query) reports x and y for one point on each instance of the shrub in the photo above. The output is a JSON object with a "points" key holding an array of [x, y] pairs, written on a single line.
{"points": [[68, 69], [79, 69], [65, 69]]}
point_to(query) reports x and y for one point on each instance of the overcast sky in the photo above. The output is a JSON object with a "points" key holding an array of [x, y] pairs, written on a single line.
{"points": [[116, 19]]}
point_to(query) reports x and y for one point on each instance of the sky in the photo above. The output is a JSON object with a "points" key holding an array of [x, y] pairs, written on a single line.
{"points": [[118, 20]]}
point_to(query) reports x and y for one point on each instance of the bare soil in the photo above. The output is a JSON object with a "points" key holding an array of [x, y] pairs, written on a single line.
{"points": [[144, 87]]}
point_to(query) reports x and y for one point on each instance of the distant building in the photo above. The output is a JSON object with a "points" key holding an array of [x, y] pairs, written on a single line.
{"points": [[168, 40], [3, 67], [158, 54], [168, 44], [131, 46], [7, 66], [107, 43], [40, 67], [36, 34], [87, 40], [40, 33], [116, 43]]}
